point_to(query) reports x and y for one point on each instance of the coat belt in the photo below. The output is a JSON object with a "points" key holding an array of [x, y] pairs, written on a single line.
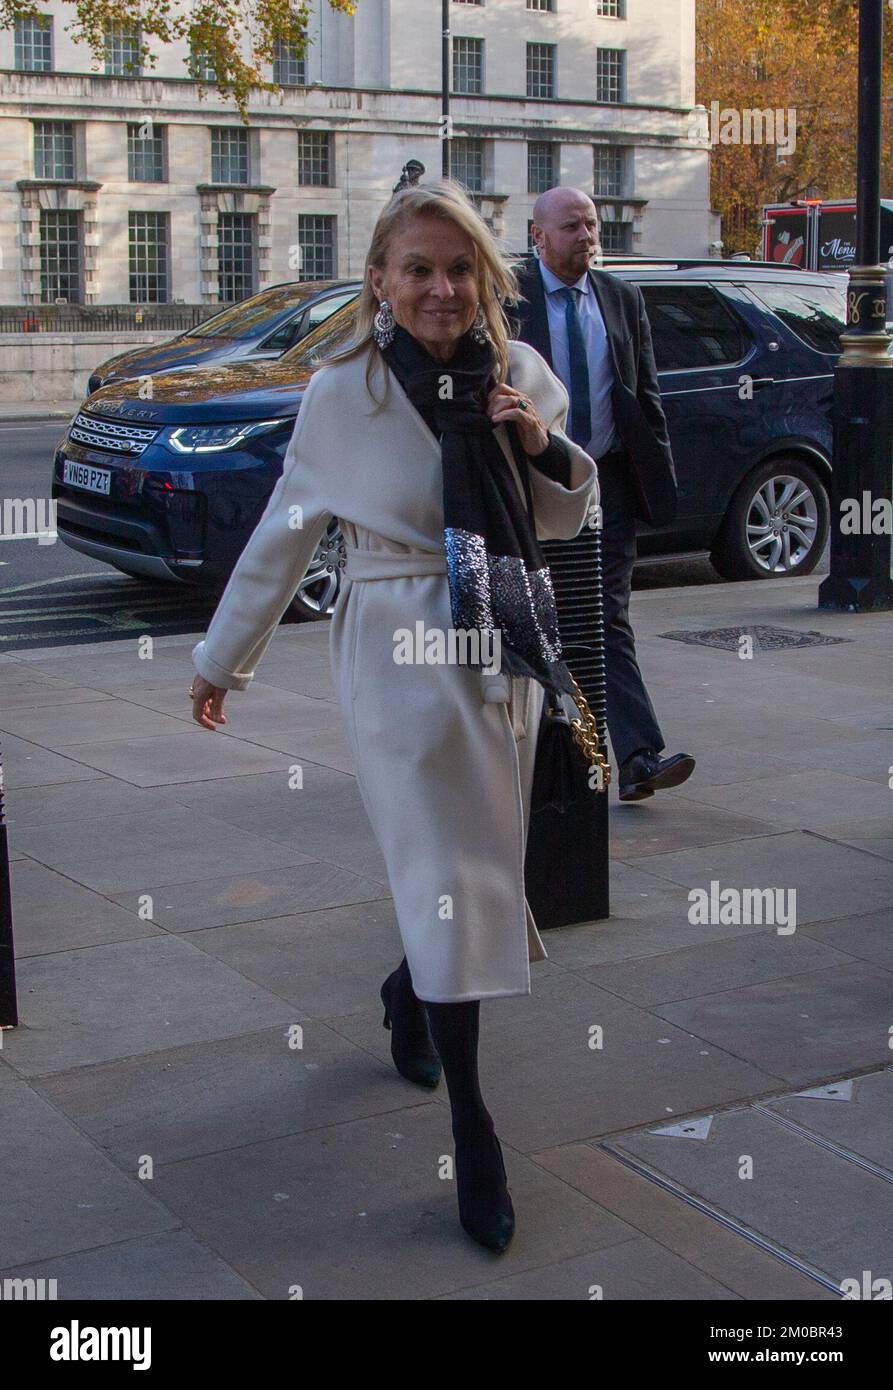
{"points": [[364, 566], [390, 564]]}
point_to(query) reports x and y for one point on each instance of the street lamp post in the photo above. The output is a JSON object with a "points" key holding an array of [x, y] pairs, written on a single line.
{"points": [[861, 577], [445, 124]]}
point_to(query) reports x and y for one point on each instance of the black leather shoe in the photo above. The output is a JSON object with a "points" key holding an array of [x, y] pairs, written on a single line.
{"points": [[412, 1046], [646, 773]]}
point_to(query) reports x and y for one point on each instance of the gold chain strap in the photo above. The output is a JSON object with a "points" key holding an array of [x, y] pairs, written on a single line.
{"points": [[585, 733]]}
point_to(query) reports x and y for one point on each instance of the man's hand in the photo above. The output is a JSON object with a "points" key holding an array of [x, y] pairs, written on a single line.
{"points": [[207, 703], [505, 403]]}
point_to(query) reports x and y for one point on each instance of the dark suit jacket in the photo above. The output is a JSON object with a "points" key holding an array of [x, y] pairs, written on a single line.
{"points": [[638, 412]]}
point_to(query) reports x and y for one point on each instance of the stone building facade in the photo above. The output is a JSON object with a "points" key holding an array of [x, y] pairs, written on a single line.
{"points": [[118, 187]]}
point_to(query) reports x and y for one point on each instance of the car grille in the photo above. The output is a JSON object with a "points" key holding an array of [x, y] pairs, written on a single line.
{"points": [[113, 436]]}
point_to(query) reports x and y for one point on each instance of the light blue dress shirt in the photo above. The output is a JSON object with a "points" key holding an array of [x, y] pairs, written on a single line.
{"points": [[604, 435]]}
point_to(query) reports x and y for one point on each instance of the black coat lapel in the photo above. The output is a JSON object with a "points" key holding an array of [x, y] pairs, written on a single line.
{"points": [[613, 323], [531, 315]]}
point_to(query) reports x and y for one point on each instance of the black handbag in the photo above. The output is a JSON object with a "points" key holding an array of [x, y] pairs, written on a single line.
{"points": [[569, 766]]}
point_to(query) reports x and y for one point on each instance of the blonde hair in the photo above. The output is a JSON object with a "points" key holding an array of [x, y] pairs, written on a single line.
{"points": [[494, 273]]}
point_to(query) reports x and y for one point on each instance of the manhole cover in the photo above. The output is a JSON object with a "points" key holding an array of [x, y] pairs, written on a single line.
{"points": [[765, 637]]}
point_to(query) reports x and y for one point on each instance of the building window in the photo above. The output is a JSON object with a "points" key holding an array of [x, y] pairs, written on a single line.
{"points": [[609, 171], [201, 66], [468, 66], [229, 155], [147, 242], [289, 66], [315, 158], [60, 257], [609, 74], [541, 165], [616, 236], [145, 152], [541, 69], [611, 9], [530, 241], [34, 45], [122, 51], [467, 164], [546, 6], [235, 255], [316, 238], [53, 150]]}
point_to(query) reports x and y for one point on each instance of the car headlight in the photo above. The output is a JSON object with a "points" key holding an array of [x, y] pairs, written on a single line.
{"points": [[209, 439]]}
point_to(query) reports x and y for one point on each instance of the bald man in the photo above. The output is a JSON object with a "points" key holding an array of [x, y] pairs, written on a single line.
{"points": [[592, 329]]}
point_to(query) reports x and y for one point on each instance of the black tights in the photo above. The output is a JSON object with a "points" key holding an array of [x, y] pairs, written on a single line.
{"points": [[454, 1030]]}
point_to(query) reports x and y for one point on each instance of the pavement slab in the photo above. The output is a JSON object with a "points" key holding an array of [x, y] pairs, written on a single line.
{"points": [[128, 998], [172, 1265], [58, 1192], [354, 1211], [52, 913]]}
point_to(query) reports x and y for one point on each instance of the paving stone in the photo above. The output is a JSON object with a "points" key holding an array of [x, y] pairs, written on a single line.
{"points": [[34, 694], [172, 1265], [130, 998], [804, 800], [547, 1086], [710, 967], [252, 898], [825, 1210], [51, 913], [867, 937], [211, 1096], [632, 1269], [58, 1193], [84, 800], [814, 1025], [325, 819], [872, 836], [724, 1256], [140, 852], [658, 826], [28, 765], [830, 880], [869, 758], [861, 1124], [357, 1211], [87, 722], [169, 759]]}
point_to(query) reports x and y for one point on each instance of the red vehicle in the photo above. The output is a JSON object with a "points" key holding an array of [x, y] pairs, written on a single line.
{"points": [[818, 235]]}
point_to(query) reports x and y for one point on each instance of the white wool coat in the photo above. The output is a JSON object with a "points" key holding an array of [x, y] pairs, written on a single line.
{"points": [[443, 753]]}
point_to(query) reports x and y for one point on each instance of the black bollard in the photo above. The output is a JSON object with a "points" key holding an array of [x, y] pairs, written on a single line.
{"points": [[9, 1014]]}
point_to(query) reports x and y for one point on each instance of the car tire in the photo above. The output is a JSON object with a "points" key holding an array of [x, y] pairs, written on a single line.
{"points": [[776, 525], [321, 584]]}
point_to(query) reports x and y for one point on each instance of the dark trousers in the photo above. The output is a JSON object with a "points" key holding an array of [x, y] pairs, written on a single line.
{"points": [[632, 723]]}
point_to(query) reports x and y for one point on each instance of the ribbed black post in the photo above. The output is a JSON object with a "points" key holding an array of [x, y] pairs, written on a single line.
{"points": [[571, 848], [9, 1013]]}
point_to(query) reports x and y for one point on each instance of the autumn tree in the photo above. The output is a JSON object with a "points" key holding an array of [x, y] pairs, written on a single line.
{"points": [[229, 41], [799, 57]]}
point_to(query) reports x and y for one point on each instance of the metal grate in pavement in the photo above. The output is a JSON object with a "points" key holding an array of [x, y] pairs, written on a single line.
{"points": [[764, 636]]}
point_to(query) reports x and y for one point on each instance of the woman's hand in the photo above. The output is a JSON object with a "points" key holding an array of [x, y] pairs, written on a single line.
{"points": [[207, 703], [505, 403]]}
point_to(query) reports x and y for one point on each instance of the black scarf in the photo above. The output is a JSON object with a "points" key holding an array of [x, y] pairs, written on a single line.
{"points": [[497, 575]]}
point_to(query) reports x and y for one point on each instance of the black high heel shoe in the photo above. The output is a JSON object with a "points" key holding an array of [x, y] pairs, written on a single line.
{"points": [[412, 1048], [485, 1204]]}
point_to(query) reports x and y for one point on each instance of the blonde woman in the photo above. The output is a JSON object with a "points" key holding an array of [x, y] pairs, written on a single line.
{"points": [[440, 447]]}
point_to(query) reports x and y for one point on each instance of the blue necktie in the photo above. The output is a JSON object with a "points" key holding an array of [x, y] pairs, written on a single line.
{"points": [[581, 415]]}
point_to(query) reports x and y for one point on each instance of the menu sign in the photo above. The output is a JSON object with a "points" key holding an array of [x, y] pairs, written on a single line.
{"points": [[837, 238]]}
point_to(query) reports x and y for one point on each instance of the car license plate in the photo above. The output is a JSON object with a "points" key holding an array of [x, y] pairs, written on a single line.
{"points": [[84, 475]]}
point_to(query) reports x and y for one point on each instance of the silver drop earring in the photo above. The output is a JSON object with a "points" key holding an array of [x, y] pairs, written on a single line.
{"points": [[479, 330], [383, 325]]}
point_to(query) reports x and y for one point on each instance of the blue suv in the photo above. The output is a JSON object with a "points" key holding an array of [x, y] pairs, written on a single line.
{"points": [[172, 486]]}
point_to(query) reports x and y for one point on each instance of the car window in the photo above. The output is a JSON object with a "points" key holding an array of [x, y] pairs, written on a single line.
{"points": [[692, 327], [318, 313], [284, 335], [255, 316], [816, 313], [327, 338]]}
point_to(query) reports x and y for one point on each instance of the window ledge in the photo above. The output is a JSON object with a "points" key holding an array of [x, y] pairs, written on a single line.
{"points": [[264, 189], [85, 185]]}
